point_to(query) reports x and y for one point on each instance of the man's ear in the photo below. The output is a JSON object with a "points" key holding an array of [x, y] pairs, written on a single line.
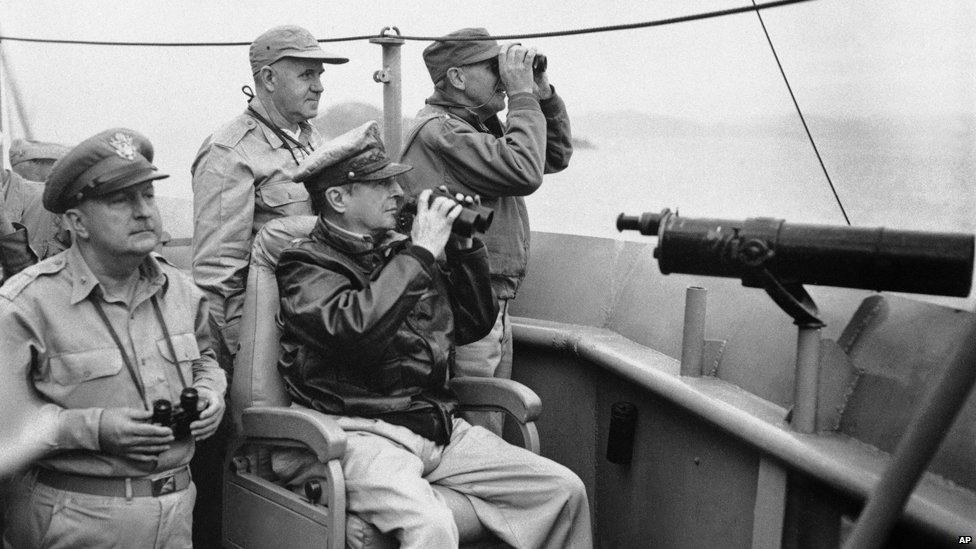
{"points": [[336, 197], [75, 220], [266, 78], [455, 77]]}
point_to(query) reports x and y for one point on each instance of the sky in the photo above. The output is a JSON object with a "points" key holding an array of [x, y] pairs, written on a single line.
{"points": [[889, 59]]}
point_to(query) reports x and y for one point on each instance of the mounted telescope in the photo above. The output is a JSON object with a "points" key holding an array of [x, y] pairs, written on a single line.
{"points": [[780, 257]]}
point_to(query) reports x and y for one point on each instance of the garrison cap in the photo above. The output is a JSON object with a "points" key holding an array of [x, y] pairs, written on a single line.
{"points": [[288, 41], [442, 55], [357, 156], [22, 150], [104, 163]]}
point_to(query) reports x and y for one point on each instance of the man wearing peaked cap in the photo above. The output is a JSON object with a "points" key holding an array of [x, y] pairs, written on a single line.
{"points": [[370, 322], [459, 141], [92, 338], [240, 181]]}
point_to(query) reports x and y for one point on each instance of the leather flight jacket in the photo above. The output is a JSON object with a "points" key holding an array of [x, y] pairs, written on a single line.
{"points": [[370, 327]]}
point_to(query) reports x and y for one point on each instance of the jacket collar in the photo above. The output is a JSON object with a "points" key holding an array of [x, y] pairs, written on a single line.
{"points": [[84, 282], [351, 243], [437, 103]]}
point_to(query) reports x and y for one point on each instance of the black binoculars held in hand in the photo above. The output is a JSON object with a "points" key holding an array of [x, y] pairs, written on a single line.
{"points": [[474, 218], [178, 420], [849, 257], [539, 65]]}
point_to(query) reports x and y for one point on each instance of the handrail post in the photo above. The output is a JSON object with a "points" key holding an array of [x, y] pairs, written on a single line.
{"points": [[391, 78], [693, 334], [806, 386]]}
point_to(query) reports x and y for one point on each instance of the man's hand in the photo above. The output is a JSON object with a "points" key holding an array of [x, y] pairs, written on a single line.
{"points": [[515, 68], [432, 224], [127, 432], [211, 406]]}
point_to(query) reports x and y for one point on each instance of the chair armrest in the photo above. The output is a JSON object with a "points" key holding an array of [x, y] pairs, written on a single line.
{"points": [[486, 392], [313, 429]]}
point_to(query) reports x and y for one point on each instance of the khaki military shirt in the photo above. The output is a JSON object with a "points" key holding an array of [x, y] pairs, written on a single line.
{"points": [[240, 181], [61, 368]]}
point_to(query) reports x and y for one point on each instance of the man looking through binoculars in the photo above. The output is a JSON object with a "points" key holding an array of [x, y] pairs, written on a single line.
{"points": [[458, 141]]}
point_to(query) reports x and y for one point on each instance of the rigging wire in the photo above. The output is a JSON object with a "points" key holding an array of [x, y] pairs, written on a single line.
{"points": [[590, 30], [802, 119]]}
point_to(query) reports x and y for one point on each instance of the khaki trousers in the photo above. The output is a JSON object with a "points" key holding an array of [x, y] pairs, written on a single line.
{"points": [[43, 517], [490, 356], [524, 499]]}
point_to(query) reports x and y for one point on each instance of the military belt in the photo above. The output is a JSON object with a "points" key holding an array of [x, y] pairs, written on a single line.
{"points": [[121, 487]]}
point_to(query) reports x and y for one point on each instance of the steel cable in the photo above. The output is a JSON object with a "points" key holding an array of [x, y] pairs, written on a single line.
{"points": [[803, 120], [590, 30]]}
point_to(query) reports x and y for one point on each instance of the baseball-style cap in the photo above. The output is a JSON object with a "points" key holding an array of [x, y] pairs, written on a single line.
{"points": [[355, 156], [23, 150], [104, 163], [442, 55], [288, 41]]}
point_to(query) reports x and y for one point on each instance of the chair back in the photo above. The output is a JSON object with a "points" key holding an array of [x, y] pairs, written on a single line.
{"points": [[256, 381]]}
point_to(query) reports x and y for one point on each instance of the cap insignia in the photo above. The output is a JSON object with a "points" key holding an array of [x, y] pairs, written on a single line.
{"points": [[123, 146]]}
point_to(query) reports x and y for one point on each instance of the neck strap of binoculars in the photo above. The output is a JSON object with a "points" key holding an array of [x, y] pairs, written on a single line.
{"points": [[169, 340], [125, 356]]}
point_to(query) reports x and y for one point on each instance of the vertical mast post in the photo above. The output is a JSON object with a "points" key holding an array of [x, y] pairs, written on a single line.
{"points": [[391, 78]]}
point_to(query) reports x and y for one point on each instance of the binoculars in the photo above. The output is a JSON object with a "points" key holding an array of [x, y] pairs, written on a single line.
{"points": [[848, 257], [178, 419], [473, 218], [539, 65]]}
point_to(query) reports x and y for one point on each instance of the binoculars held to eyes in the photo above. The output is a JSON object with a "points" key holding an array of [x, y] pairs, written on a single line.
{"points": [[539, 65], [178, 420], [850, 257], [474, 218]]}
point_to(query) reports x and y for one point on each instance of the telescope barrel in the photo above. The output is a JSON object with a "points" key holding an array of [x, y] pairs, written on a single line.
{"points": [[848, 257], [647, 223]]}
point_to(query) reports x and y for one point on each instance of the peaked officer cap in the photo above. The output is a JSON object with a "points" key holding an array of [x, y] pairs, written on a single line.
{"points": [[104, 163], [355, 156]]}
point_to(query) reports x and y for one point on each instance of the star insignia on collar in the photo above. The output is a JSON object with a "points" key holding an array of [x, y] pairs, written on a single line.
{"points": [[123, 146]]}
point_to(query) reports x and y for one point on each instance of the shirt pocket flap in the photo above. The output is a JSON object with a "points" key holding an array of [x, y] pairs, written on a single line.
{"points": [[75, 368], [286, 192], [185, 346]]}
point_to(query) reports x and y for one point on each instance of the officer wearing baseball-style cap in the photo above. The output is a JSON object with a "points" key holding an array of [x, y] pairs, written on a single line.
{"points": [[98, 335], [109, 161], [458, 139], [241, 181]]}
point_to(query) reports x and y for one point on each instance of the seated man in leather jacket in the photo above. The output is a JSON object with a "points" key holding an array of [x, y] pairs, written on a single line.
{"points": [[371, 319]]}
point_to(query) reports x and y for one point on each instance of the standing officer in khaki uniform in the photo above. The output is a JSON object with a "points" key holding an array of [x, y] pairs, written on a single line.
{"points": [[20, 203], [92, 339], [240, 176]]}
